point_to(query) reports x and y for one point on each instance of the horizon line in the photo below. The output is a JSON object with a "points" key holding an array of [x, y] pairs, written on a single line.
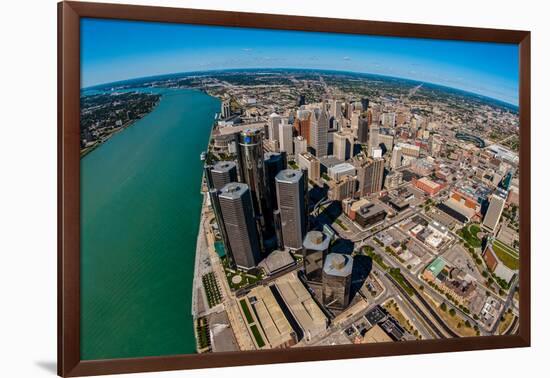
{"points": [[303, 69]]}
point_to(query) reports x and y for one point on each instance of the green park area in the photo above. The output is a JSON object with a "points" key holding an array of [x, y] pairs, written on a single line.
{"points": [[212, 289], [469, 233], [506, 254], [238, 280], [257, 335], [395, 273], [246, 311]]}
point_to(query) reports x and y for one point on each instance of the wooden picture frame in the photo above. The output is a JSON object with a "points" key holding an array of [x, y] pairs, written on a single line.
{"points": [[69, 15]]}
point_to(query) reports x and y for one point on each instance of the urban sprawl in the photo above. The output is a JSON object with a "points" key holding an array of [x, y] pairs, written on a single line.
{"points": [[345, 208]]}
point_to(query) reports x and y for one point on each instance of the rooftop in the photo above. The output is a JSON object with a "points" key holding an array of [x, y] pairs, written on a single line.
{"points": [[233, 190], [224, 166], [289, 176], [338, 265], [437, 266], [304, 309], [316, 240]]}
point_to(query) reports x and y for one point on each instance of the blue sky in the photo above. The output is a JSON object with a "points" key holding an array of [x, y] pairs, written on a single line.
{"points": [[119, 50]]}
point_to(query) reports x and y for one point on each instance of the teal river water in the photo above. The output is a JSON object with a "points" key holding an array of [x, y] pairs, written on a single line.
{"points": [[140, 210]]}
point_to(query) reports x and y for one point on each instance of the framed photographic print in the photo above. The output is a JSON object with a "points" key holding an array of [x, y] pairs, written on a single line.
{"points": [[239, 188]]}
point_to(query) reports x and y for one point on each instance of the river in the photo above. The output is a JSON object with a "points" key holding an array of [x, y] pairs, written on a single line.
{"points": [[140, 211]]}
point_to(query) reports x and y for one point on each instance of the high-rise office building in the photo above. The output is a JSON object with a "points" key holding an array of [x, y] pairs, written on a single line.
{"points": [[494, 211], [393, 180], [341, 145], [300, 145], [273, 126], [278, 229], [385, 141], [388, 119], [354, 121], [286, 142], [315, 250], [336, 109], [250, 157], [337, 272], [343, 188], [319, 132], [310, 163], [301, 100], [365, 104], [291, 190], [221, 174], [396, 157], [302, 124], [370, 174], [274, 162], [362, 130], [215, 203], [374, 130], [238, 220]]}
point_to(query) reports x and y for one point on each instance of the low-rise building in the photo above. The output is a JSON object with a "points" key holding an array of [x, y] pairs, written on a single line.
{"points": [[428, 186]]}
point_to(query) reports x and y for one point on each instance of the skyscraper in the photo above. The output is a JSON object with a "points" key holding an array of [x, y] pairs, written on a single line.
{"points": [[373, 138], [365, 104], [337, 271], [342, 145], [300, 145], [238, 220], [301, 100], [302, 124], [221, 174], [292, 205], [494, 211], [250, 157], [396, 157], [315, 250], [215, 203], [336, 109], [286, 142], [273, 126], [370, 174], [319, 132], [274, 163], [310, 163], [362, 130]]}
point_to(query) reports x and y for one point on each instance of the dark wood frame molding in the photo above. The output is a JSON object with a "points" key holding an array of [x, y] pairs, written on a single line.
{"points": [[69, 14]]}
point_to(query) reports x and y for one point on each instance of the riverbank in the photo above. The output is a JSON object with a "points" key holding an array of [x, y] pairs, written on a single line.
{"points": [[140, 217], [86, 150]]}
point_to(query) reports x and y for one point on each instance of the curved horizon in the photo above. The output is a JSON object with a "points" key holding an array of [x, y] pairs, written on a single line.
{"points": [[293, 69], [114, 51]]}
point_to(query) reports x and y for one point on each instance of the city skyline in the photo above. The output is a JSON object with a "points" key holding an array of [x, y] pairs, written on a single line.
{"points": [[150, 49]]}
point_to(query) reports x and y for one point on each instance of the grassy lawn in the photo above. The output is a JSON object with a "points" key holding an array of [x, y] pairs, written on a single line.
{"points": [[375, 257], [504, 324], [455, 322], [246, 278], [339, 223], [507, 255], [257, 336], [396, 313], [246, 311], [469, 233], [396, 275]]}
